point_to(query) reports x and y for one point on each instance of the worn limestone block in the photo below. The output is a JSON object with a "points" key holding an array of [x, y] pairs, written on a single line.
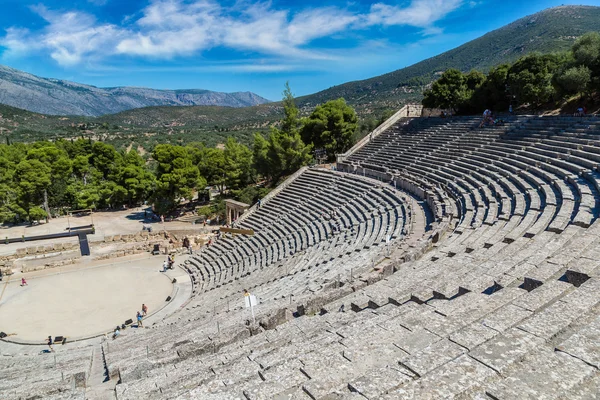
{"points": [[473, 335], [432, 356], [449, 381], [585, 344], [544, 375], [378, 381], [506, 349]]}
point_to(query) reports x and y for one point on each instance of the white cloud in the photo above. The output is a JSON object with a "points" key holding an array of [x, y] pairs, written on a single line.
{"points": [[420, 13], [169, 28]]}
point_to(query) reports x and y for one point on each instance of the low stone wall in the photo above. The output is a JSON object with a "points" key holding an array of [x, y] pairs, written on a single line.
{"points": [[130, 244]]}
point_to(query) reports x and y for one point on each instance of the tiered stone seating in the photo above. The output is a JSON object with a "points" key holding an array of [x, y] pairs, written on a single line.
{"points": [[505, 304], [323, 225], [59, 375], [495, 296]]}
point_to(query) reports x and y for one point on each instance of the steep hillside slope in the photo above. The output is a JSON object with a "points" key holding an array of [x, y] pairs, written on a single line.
{"points": [[554, 29]]}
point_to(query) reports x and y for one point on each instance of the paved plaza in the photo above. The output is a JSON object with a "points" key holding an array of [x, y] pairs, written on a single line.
{"points": [[81, 301]]}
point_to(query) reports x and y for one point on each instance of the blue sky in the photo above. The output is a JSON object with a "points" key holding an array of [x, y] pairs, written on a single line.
{"points": [[240, 45]]}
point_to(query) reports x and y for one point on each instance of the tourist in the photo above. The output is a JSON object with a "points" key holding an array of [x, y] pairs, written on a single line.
{"points": [[24, 282], [510, 109], [488, 118], [139, 320], [258, 203], [165, 266], [190, 248], [579, 112], [50, 342], [116, 333], [144, 309]]}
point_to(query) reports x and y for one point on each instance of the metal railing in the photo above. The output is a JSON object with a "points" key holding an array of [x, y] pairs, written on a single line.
{"points": [[409, 110], [271, 194]]}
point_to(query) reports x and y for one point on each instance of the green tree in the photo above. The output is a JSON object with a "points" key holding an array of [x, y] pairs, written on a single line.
{"points": [[135, 180], [238, 164], [530, 78], [450, 91], [290, 123], [286, 152], [586, 51], [331, 126], [495, 92], [33, 180], [176, 176], [260, 155], [104, 158], [573, 80], [37, 214], [57, 159], [213, 167]]}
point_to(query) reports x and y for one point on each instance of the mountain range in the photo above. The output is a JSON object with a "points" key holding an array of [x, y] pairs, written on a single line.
{"points": [[57, 97], [554, 29]]}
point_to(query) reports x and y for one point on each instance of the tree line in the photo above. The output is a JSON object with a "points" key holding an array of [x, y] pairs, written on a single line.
{"points": [[44, 178], [533, 80]]}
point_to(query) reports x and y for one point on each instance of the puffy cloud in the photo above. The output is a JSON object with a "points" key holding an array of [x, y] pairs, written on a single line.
{"points": [[169, 28], [420, 13]]}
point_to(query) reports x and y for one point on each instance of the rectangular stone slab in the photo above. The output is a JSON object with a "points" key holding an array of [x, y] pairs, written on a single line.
{"points": [[448, 381], [544, 375], [585, 344], [506, 349], [505, 317], [433, 356], [378, 381], [473, 335]]}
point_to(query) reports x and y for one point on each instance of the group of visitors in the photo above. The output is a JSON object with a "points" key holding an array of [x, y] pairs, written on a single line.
{"points": [[139, 318], [169, 263]]}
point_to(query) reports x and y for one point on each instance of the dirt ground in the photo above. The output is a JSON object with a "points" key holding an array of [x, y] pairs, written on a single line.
{"points": [[82, 300], [107, 223]]}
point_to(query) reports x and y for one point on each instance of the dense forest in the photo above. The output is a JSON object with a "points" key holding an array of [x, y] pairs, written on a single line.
{"points": [[532, 81], [44, 178]]}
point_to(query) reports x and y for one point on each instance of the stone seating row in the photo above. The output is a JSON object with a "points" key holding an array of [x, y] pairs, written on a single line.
{"points": [[485, 314]]}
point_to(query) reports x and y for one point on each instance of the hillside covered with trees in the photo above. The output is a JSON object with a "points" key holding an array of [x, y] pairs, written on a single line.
{"points": [[531, 81], [45, 178], [551, 30]]}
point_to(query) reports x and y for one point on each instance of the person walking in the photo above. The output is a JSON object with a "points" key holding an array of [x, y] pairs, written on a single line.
{"points": [[24, 282], [144, 310], [165, 266], [50, 342], [139, 320]]}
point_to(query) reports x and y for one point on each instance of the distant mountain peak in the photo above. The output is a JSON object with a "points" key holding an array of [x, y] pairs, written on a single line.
{"points": [[60, 97]]}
